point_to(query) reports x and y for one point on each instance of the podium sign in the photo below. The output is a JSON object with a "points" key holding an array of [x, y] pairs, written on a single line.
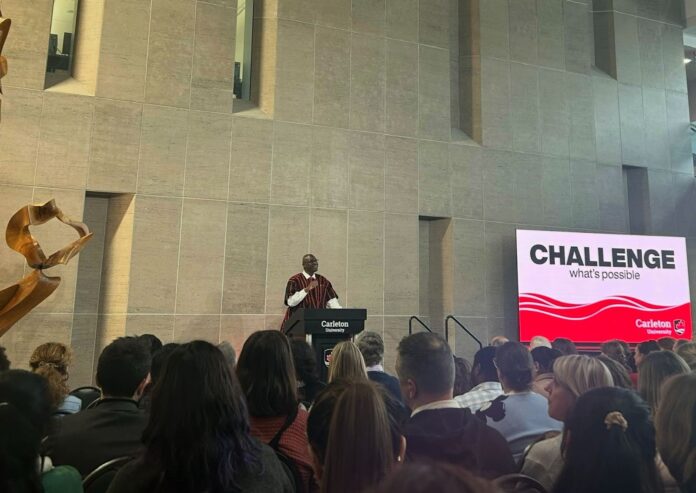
{"points": [[324, 328]]}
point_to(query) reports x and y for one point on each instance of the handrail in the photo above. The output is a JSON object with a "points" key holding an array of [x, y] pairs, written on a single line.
{"points": [[451, 317], [410, 324]]}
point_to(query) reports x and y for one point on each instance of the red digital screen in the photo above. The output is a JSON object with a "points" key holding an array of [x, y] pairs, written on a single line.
{"points": [[595, 287]]}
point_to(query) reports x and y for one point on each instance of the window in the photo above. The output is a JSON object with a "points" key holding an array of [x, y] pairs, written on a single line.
{"points": [[242, 64], [61, 42]]}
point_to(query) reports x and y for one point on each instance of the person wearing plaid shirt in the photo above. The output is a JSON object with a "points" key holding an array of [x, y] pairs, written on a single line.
{"points": [[485, 376]]}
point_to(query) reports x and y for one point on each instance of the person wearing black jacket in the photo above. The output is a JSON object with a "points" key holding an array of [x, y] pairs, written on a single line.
{"points": [[113, 425], [371, 346], [439, 430]]}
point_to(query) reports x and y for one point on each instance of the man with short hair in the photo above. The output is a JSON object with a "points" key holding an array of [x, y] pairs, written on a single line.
{"points": [[484, 376], [308, 289], [113, 426], [371, 346], [439, 429]]}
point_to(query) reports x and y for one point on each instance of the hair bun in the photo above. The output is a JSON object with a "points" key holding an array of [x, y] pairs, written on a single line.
{"points": [[615, 418]]}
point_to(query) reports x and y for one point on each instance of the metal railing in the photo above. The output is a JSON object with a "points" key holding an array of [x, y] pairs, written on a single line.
{"points": [[416, 319], [460, 325]]}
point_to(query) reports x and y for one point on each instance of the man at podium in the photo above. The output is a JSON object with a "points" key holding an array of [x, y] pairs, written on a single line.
{"points": [[309, 289]]}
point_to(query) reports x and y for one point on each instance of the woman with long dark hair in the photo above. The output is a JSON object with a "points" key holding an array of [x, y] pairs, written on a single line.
{"points": [[267, 377], [308, 382], [610, 445], [198, 437], [25, 410]]}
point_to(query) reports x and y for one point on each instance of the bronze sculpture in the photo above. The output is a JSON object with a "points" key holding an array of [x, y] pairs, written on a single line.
{"points": [[19, 299], [4, 31]]}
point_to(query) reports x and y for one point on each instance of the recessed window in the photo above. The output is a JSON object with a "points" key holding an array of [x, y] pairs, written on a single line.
{"points": [[61, 42], [242, 59]]}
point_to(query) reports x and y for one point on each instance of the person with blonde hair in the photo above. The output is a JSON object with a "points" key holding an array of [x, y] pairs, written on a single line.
{"points": [[655, 368], [573, 375], [51, 361], [687, 351], [676, 429], [347, 362], [539, 341]]}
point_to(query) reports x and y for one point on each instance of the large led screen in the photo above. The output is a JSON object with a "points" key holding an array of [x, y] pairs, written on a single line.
{"points": [[595, 287]]}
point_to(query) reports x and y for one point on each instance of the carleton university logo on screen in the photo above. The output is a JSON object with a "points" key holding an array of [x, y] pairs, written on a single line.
{"points": [[664, 328]]}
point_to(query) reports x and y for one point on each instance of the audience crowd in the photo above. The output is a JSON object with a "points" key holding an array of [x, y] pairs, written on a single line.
{"points": [[198, 418]]}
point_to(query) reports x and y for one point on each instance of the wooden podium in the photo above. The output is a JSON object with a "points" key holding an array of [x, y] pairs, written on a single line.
{"points": [[324, 328]]}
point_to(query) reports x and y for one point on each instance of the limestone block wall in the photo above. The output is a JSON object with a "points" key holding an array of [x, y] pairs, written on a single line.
{"points": [[367, 116]]}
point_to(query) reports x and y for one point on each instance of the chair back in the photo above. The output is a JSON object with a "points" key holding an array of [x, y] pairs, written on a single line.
{"points": [[519, 483], [98, 481], [544, 436], [87, 395]]}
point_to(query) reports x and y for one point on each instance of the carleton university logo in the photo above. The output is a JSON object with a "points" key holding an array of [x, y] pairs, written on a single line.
{"points": [[679, 326], [327, 357]]}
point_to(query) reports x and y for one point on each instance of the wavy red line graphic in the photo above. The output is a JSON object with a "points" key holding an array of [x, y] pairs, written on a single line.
{"points": [[618, 316]]}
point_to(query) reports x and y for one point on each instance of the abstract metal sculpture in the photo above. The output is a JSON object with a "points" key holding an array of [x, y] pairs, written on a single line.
{"points": [[4, 31], [19, 299]]}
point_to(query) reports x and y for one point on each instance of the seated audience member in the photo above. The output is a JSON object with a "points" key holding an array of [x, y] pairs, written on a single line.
{"points": [[306, 373], [687, 352], [520, 415], [655, 369], [539, 341], [51, 360], [619, 373], [485, 378], [347, 362], [615, 350], [229, 353], [462, 376], [4, 362], [667, 343], [440, 429], [565, 346], [499, 341], [680, 342], [355, 435], [113, 426], [156, 367], [25, 410], [610, 445], [197, 438], [152, 342], [267, 377], [676, 429], [543, 358], [371, 346], [431, 478], [572, 376], [643, 349]]}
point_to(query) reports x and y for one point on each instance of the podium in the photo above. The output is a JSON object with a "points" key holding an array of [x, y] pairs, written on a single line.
{"points": [[324, 328]]}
